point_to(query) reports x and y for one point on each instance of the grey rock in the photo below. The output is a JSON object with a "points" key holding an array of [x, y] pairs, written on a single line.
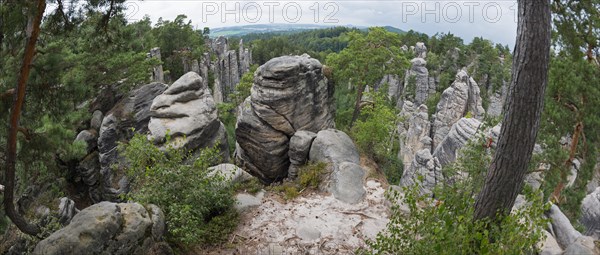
{"points": [[563, 231], [66, 210], [460, 134], [347, 183], [158, 221], [421, 50], [497, 100], [246, 201], [412, 132], [103, 228], [459, 99], [187, 113], [550, 246], [426, 166], [299, 148], [420, 74], [394, 86], [96, 120], [333, 146], [572, 177], [230, 172], [584, 245], [89, 137], [595, 181], [590, 214], [289, 94], [158, 74]]}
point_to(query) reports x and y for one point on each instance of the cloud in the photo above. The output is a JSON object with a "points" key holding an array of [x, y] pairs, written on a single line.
{"points": [[494, 20]]}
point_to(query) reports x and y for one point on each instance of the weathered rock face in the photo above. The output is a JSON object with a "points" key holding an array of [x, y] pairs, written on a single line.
{"points": [[590, 214], [584, 245], [107, 228], [417, 78], [414, 132], [132, 111], [289, 94], [426, 166], [497, 99], [187, 112], [228, 67], [337, 149], [459, 135], [66, 210], [460, 98], [299, 148], [394, 86], [158, 74], [563, 231], [421, 50]]}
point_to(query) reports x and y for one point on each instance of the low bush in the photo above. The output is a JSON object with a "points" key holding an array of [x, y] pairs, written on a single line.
{"points": [[198, 207]]}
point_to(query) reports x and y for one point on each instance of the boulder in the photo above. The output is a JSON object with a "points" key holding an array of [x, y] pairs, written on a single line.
{"points": [[299, 148], [66, 210], [584, 245], [414, 132], [590, 214], [426, 166], [289, 94], [246, 201], [333, 146], [564, 232], [186, 112], [103, 228], [96, 120], [230, 172], [549, 246], [460, 134], [89, 137]]}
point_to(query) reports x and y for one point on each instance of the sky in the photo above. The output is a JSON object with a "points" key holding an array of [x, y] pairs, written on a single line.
{"points": [[494, 20]]}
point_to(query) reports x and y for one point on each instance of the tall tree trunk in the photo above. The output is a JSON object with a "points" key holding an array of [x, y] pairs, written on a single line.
{"points": [[11, 145], [505, 176]]}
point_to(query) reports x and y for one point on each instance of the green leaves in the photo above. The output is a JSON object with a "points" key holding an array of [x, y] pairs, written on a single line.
{"points": [[198, 206]]}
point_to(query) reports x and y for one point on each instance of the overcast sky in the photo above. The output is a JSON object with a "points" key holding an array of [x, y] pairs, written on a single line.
{"points": [[494, 20]]}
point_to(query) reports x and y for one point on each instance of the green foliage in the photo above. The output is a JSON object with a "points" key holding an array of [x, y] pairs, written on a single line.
{"points": [[198, 206], [310, 177], [445, 225], [432, 102], [572, 97], [365, 61], [375, 136], [251, 186], [227, 110]]}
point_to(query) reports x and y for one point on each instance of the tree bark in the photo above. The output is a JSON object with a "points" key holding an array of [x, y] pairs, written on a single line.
{"points": [[505, 176], [11, 145]]}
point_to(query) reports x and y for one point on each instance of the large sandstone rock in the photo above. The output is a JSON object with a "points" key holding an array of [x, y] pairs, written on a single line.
{"points": [[584, 245], [460, 98], [564, 232], [590, 214], [105, 228], [459, 135], [347, 177], [414, 132], [131, 113], [417, 79], [394, 86], [187, 113], [421, 50], [333, 146], [497, 99], [289, 94], [426, 166]]}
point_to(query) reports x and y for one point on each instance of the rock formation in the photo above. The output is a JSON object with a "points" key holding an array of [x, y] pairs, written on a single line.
{"points": [[421, 50], [187, 113], [413, 132], [108, 228], [227, 68], [590, 214], [459, 135], [158, 74], [337, 149], [417, 82], [426, 166], [458, 100], [299, 148], [394, 86], [289, 94]]}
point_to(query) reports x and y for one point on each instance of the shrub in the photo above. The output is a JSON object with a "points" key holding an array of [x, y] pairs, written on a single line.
{"points": [[198, 207], [310, 175], [445, 225]]}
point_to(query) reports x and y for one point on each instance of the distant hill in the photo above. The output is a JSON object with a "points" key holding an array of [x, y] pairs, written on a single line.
{"points": [[239, 31]]}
